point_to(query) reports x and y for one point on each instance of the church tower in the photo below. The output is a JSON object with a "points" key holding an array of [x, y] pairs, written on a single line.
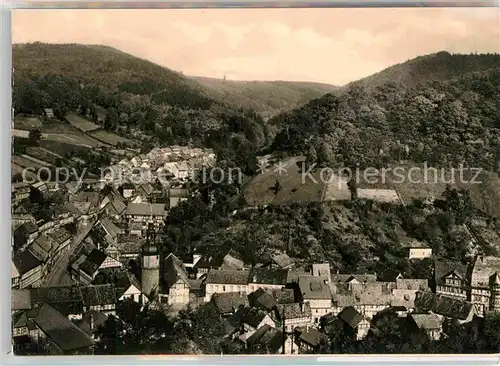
{"points": [[150, 264], [495, 293]]}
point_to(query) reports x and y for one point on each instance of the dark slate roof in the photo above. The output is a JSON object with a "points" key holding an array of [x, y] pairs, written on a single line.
{"points": [[66, 335], [229, 302], [203, 263], [268, 276], [98, 295], [93, 261], [27, 228], [262, 299], [444, 268], [174, 270], [65, 299], [294, 311], [227, 277], [125, 280], [311, 336], [350, 316], [254, 317], [268, 338], [232, 324], [443, 305], [25, 261]]}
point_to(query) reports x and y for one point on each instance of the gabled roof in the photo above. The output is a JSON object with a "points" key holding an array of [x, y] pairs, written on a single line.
{"points": [[229, 302], [14, 273], [27, 228], [443, 305], [361, 278], [426, 321], [283, 260], [311, 337], [20, 210], [66, 335], [312, 287], [146, 188], [45, 242], [267, 337], [93, 261], [230, 262], [146, 209], [110, 227], [350, 316], [115, 206], [254, 317], [227, 277], [262, 299], [294, 311], [443, 269], [268, 276], [25, 261], [174, 270], [65, 299], [125, 281]]}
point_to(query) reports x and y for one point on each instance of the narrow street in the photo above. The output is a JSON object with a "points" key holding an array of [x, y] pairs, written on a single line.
{"points": [[58, 274]]}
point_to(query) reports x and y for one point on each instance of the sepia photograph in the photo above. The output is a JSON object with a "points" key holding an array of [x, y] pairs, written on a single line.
{"points": [[255, 181]]}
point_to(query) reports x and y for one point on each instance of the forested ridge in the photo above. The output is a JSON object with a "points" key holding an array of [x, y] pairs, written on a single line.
{"points": [[441, 122], [443, 109]]}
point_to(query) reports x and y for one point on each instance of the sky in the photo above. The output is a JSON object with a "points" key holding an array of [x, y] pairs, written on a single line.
{"points": [[334, 46]]}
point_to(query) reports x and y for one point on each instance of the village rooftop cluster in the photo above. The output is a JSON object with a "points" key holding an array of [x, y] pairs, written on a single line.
{"points": [[62, 291]]}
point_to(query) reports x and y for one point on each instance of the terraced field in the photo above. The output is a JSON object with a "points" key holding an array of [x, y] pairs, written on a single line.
{"points": [[81, 123], [109, 138]]}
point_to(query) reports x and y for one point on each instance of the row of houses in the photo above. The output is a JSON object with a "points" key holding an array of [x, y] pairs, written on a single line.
{"points": [[173, 164], [31, 264], [62, 320]]}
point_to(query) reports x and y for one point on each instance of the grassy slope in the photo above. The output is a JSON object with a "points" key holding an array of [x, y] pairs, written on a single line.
{"points": [[485, 189]]}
